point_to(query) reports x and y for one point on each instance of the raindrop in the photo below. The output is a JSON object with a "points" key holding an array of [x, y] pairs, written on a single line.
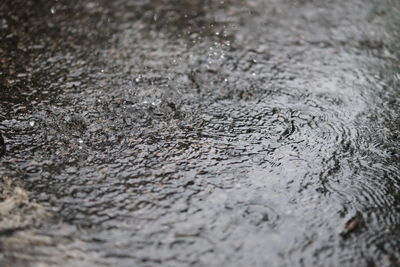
{"points": [[32, 123], [53, 10]]}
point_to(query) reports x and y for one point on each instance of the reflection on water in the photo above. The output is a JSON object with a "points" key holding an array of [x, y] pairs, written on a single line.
{"points": [[201, 133]]}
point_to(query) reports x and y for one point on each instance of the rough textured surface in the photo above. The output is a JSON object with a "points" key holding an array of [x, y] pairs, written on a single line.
{"points": [[200, 133]]}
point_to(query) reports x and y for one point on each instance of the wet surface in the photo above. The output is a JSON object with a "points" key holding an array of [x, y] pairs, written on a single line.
{"points": [[200, 133]]}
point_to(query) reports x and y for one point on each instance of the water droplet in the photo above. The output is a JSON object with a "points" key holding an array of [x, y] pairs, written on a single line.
{"points": [[53, 10], [138, 79], [32, 123]]}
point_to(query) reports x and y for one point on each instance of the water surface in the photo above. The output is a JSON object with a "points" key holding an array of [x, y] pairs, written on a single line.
{"points": [[200, 133]]}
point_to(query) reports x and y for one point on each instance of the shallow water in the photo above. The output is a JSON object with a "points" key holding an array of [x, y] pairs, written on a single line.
{"points": [[200, 133]]}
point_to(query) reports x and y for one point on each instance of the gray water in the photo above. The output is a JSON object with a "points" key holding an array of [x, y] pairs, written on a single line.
{"points": [[200, 133]]}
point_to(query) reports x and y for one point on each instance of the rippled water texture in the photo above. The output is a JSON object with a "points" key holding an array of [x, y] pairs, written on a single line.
{"points": [[200, 133]]}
